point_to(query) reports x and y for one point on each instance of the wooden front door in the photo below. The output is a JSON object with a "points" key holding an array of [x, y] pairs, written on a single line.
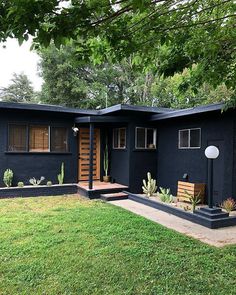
{"points": [[84, 154]]}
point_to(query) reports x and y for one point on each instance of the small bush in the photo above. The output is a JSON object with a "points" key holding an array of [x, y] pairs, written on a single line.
{"points": [[229, 205], [20, 184], [8, 177], [49, 183]]}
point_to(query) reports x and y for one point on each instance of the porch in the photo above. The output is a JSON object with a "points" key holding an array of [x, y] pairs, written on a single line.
{"points": [[100, 188], [91, 144]]}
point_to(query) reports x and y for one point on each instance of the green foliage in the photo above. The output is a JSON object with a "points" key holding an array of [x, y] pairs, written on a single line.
{"points": [[36, 182], [49, 183], [229, 205], [41, 239], [149, 187], [106, 160], [8, 177], [60, 176], [20, 184], [19, 90], [193, 199], [166, 36], [73, 82], [165, 195]]}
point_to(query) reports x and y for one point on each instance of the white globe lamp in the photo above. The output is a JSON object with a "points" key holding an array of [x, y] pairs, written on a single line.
{"points": [[212, 152]]}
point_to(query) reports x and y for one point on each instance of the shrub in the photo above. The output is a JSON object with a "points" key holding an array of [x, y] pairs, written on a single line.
{"points": [[20, 184], [8, 177], [35, 181], [49, 183], [229, 205], [165, 195], [149, 187]]}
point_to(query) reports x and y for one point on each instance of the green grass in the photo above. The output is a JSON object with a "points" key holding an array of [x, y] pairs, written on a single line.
{"points": [[67, 245]]}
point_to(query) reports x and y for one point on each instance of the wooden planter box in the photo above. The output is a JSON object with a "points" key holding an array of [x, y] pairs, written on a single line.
{"points": [[192, 188]]}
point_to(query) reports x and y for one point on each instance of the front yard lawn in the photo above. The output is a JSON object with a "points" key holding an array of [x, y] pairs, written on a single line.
{"points": [[68, 245]]}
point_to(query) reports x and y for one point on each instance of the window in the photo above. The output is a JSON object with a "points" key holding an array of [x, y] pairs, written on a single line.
{"points": [[119, 138], [39, 139], [145, 138], [59, 142], [190, 138], [17, 138]]}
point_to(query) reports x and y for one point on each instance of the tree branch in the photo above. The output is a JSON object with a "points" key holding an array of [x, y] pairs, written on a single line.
{"points": [[178, 27]]}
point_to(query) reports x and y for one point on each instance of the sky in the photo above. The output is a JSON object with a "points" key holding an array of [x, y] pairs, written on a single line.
{"points": [[15, 58]]}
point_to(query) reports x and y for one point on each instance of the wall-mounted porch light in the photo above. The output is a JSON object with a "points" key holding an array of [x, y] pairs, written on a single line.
{"points": [[75, 130]]}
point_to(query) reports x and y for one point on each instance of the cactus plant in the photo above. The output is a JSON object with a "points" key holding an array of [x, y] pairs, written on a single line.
{"points": [[8, 177], [106, 161], [193, 199], [60, 176], [149, 187], [165, 195], [35, 181], [20, 184]]}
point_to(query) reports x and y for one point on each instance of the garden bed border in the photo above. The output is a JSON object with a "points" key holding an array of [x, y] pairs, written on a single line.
{"points": [[209, 223], [39, 190]]}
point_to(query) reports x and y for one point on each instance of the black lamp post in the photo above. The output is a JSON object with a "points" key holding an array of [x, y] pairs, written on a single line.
{"points": [[211, 152]]}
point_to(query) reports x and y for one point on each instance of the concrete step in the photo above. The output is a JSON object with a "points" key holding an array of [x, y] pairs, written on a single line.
{"points": [[114, 196], [211, 215]]}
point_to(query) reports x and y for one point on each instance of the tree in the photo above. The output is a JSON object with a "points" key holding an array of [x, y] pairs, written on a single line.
{"points": [[166, 36], [19, 90], [75, 83]]}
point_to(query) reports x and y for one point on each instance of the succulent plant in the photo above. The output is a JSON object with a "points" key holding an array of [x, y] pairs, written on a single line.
{"points": [[149, 187]]}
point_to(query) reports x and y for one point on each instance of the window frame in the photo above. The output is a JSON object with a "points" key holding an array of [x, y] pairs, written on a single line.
{"points": [[67, 139], [145, 139], [49, 138], [113, 138], [28, 125], [26, 137], [189, 138]]}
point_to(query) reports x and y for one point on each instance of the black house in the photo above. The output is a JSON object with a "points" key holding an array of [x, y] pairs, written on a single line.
{"points": [[36, 139]]}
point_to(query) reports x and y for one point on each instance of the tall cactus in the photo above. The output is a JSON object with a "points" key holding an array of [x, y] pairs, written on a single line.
{"points": [[106, 160], [60, 176], [149, 187]]}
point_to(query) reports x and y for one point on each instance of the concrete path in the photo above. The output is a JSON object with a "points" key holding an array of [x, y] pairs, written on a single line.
{"points": [[215, 237]]}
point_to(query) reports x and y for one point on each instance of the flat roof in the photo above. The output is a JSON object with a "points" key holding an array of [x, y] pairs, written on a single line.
{"points": [[189, 111], [156, 113], [44, 107], [134, 108]]}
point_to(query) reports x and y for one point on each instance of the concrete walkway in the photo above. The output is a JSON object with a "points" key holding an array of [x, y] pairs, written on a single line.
{"points": [[215, 237]]}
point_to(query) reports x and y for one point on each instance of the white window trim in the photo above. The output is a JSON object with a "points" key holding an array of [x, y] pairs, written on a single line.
{"points": [[189, 132], [154, 138], [113, 141]]}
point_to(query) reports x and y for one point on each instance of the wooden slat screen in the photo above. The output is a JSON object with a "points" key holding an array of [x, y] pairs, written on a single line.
{"points": [[84, 154]]}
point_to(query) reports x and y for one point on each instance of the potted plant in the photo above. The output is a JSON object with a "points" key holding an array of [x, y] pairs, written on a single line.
{"points": [[106, 177]]}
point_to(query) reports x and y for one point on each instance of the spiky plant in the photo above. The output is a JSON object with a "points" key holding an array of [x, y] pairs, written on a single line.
{"points": [[149, 187]]}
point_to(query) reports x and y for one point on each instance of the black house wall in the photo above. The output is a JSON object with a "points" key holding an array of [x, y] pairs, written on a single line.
{"points": [[26, 165], [141, 161], [174, 162]]}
